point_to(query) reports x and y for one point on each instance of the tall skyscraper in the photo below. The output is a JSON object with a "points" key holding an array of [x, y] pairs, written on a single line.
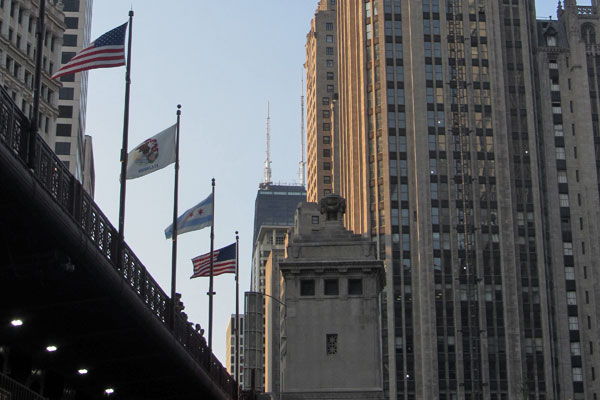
{"points": [[321, 86], [273, 215], [466, 148], [71, 138]]}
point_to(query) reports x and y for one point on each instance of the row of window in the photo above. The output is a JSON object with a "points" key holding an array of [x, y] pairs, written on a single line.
{"points": [[331, 287]]}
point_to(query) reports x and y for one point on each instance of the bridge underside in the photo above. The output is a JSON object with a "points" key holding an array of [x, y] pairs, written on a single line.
{"points": [[66, 296]]}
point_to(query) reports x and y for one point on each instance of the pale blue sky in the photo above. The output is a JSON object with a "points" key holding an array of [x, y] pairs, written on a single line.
{"points": [[222, 61]]}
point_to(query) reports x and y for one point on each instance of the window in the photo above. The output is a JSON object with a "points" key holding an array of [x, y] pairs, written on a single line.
{"points": [[327, 180], [563, 199], [327, 166], [329, 76], [307, 287], [315, 219], [330, 63], [329, 38], [329, 26], [66, 93], [573, 324], [567, 248], [331, 287], [71, 5], [572, 298], [66, 56], [326, 152], [355, 286], [65, 111], [69, 40], [577, 375], [326, 113], [72, 22], [326, 126], [329, 88], [325, 101], [63, 148], [326, 139], [329, 51], [575, 348], [331, 343], [570, 273]]}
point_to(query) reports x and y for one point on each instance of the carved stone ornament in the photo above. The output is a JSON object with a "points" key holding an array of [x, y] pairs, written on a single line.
{"points": [[332, 205]]}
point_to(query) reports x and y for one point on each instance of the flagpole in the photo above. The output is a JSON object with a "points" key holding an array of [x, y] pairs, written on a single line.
{"points": [[124, 148], [174, 236], [237, 313], [210, 285], [37, 85]]}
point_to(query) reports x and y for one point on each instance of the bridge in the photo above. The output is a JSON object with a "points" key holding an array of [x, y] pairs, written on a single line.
{"points": [[74, 322]]}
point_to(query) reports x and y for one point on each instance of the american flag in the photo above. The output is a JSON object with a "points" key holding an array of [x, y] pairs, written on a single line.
{"points": [[105, 52], [224, 261]]}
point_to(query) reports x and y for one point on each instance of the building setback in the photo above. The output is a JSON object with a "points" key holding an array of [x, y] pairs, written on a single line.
{"points": [[466, 146]]}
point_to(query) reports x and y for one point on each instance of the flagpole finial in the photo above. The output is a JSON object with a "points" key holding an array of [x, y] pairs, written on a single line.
{"points": [[236, 235], [178, 109], [213, 181], [131, 13]]}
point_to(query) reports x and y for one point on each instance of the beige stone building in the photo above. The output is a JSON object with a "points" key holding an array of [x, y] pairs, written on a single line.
{"points": [[230, 354], [466, 146], [18, 21], [321, 87], [331, 284], [63, 102], [73, 145]]}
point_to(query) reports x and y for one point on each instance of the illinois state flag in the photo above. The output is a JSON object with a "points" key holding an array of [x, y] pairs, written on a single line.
{"points": [[223, 262], [197, 217], [152, 154]]}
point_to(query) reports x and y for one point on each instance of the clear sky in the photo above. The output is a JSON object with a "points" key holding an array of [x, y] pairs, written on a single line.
{"points": [[222, 61]]}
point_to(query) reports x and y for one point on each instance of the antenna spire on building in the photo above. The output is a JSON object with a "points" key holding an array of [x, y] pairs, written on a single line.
{"points": [[268, 160], [302, 149]]}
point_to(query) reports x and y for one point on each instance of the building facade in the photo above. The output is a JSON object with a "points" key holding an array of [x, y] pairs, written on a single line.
{"points": [[72, 145], [63, 102], [18, 42], [331, 283], [274, 210], [463, 130], [230, 350], [321, 86]]}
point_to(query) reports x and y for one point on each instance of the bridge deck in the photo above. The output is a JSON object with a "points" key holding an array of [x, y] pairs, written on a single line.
{"points": [[59, 275]]}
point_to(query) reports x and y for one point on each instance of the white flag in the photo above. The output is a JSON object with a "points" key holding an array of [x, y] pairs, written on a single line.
{"points": [[152, 154]]}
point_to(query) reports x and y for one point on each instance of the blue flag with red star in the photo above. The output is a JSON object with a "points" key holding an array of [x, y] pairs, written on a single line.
{"points": [[197, 217]]}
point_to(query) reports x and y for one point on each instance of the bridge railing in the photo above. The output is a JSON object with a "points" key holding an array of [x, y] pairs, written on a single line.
{"points": [[13, 390], [52, 174]]}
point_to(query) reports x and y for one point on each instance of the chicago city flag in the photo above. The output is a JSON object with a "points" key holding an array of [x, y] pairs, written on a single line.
{"points": [[223, 262], [152, 154], [197, 217]]}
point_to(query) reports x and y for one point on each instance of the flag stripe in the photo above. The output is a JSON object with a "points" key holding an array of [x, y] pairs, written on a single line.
{"points": [[93, 61], [85, 68]]}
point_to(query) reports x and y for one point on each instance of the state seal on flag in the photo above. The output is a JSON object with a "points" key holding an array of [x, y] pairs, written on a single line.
{"points": [[146, 153]]}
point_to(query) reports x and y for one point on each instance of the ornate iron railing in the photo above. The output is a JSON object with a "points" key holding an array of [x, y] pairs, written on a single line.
{"points": [[13, 390], [52, 174]]}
